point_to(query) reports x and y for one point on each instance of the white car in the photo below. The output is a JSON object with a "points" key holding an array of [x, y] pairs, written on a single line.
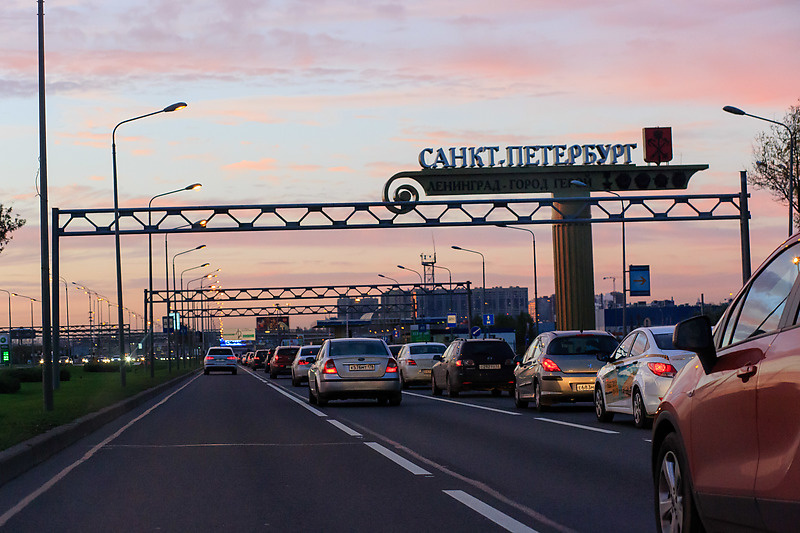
{"points": [[302, 361], [416, 360], [637, 375], [219, 358]]}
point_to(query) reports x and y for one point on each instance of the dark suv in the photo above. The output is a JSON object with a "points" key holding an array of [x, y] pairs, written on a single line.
{"points": [[281, 360], [474, 364], [259, 359]]}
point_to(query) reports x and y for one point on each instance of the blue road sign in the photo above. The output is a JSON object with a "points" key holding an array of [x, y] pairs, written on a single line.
{"points": [[488, 320], [639, 280], [475, 331]]}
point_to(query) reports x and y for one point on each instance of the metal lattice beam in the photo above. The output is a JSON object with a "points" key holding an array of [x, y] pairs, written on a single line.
{"points": [[363, 215]]}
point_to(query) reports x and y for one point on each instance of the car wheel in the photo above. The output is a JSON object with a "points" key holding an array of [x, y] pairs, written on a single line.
{"points": [[436, 391], [311, 398], [600, 406], [674, 503], [403, 382], [640, 418], [537, 397], [395, 399], [295, 381], [496, 392], [205, 371], [233, 371], [518, 401], [322, 400], [273, 375], [451, 390]]}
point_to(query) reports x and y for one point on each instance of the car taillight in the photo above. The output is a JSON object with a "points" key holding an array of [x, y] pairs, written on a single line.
{"points": [[391, 367], [330, 368], [411, 362], [465, 362], [209, 358], [302, 362], [662, 369], [231, 358], [550, 365]]}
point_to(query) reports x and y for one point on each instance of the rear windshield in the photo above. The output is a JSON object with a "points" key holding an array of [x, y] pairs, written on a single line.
{"points": [[309, 350], [428, 348], [664, 341], [395, 348], [582, 345], [480, 351], [220, 351], [287, 350], [365, 347]]}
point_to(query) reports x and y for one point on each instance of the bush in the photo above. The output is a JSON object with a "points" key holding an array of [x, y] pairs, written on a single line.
{"points": [[8, 384], [34, 374]]}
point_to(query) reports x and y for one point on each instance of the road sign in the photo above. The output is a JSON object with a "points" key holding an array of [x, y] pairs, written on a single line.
{"points": [[452, 320], [475, 331], [3, 338], [488, 320], [639, 280]]}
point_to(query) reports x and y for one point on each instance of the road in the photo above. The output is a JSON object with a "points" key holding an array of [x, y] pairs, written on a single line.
{"points": [[246, 453]]}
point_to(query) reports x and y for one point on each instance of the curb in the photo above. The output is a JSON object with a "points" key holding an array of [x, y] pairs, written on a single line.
{"points": [[22, 457]]}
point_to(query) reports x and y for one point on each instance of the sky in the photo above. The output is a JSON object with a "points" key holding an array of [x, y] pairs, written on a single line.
{"points": [[304, 101]]}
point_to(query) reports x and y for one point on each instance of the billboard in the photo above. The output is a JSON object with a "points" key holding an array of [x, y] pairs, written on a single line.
{"points": [[266, 324]]}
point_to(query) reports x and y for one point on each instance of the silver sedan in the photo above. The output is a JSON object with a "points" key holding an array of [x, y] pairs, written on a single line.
{"points": [[416, 361], [302, 361], [354, 368]]}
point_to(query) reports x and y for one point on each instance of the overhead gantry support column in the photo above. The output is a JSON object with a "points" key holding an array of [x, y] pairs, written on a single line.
{"points": [[573, 264]]}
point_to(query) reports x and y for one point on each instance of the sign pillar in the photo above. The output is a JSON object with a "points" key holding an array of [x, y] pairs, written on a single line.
{"points": [[573, 265]]}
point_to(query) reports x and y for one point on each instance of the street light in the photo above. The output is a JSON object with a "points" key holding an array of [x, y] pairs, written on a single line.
{"points": [[624, 263], [191, 187], [33, 333], [483, 269], [201, 279], [535, 281], [792, 141], [401, 267], [200, 247], [120, 317]]}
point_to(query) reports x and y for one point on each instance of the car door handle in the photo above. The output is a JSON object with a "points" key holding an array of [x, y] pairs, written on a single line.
{"points": [[746, 372]]}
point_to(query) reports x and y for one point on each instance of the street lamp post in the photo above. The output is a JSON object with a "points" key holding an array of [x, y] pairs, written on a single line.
{"points": [[33, 332], [483, 269], [792, 142], [150, 267], [120, 316], [535, 278], [200, 247], [183, 307], [450, 277], [416, 310]]}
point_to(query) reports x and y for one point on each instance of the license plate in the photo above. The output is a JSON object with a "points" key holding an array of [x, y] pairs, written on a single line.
{"points": [[355, 368], [489, 367], [584, 387], [426, 371]]}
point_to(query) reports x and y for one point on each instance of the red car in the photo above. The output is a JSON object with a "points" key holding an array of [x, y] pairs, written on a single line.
{"points": [[726, 439], [281, 360]]}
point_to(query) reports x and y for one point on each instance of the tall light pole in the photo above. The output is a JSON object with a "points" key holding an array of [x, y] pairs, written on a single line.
{"points": [[416, 310], [183, 307], [387, 277], [200, 247], [535, 280], [792, 142], [33, 333], [201, 279], [120, 316], [10, 341], [149, 311], [483, 269]]}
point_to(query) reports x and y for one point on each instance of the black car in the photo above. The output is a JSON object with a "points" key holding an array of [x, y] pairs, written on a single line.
{"points": [[259, 359], [474, 364]]}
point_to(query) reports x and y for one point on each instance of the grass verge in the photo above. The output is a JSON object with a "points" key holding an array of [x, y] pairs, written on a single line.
{"points": [[22, 414]]}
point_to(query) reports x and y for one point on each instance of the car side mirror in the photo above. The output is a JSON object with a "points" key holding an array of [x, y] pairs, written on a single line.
{"points": [[604, 357], [437, 357], [517, 360], [694, 335]]}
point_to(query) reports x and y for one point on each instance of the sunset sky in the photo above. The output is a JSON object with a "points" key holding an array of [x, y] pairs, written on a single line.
{"points": [[302, 101]]}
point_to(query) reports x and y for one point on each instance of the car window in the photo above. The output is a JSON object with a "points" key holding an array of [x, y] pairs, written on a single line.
{"points": [[640, 345], [309, 350], [760, 308], [534, 348], [664, 341], [624, 348], [358, 347], [582, 345], [479, 351], [427, 348]]}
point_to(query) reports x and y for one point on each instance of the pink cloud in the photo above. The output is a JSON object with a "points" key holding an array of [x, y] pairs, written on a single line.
{"points": [[263, 164]]}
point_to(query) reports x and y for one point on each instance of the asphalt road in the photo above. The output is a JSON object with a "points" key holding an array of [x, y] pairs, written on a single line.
{"points": [[246, 453]]}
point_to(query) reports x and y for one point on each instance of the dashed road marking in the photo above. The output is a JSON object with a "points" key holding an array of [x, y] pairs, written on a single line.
{"points": [[401, 461], [499, 518]]}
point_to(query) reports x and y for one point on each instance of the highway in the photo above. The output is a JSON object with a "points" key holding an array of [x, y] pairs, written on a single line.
{"points": [[246, 453]]}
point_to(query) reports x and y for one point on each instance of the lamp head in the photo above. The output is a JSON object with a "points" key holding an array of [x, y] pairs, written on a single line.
{"points": [[193, 186], [201, 223], [401, 267], [733, 110], [174, 107], [204, 265], [456, 247], [200, 247]]}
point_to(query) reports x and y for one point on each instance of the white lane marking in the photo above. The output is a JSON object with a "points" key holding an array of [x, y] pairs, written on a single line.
{"points": [[289, 395], [499, 518], [5, 517], [401, 461], [492, 409], [579, 426], [339, 425], [231, 445]]}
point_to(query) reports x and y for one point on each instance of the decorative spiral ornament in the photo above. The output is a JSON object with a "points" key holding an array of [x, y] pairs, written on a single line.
{"points": [[405, 194]]}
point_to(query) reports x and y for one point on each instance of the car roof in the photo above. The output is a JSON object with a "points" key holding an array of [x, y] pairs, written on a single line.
{"points": [[657, 330]]}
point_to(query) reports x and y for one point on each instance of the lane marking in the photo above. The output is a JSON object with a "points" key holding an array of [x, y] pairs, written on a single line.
{"points": [[230, 445], [492, 409], [401, 461], [499, 518], [5, 517], [579, 426], [289, 395], [339, 425], [479, 485]]}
